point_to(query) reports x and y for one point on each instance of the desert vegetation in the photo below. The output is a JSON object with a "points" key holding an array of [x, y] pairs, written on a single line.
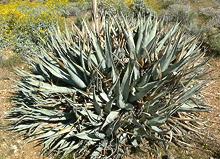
{"points": [[118, 79]]}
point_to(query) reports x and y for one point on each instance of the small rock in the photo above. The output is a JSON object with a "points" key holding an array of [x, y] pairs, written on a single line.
{"points": [[168, 157], [5, 55], [14, 148]]}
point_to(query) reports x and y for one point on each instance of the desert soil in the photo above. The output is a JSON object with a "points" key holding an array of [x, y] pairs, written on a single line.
{"points": [[12, 146]]}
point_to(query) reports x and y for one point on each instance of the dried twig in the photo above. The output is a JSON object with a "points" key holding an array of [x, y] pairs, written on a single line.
{"points": [[95, 15]]}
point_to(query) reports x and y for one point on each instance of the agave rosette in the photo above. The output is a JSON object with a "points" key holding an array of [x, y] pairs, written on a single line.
{"points": [[99, 93]]}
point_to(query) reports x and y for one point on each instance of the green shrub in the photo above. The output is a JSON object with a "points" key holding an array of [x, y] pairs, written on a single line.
{"points": [[22, 22], [213, 41], [200, 22]]}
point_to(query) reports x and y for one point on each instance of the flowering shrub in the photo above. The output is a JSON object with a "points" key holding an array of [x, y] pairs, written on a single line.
{"points": [[152, 4], [23, 21]]}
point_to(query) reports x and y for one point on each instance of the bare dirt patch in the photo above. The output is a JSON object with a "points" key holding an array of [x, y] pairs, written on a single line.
{"points": [[211, 95], [12, 146]]}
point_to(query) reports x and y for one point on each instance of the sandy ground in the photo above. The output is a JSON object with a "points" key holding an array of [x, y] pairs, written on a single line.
{"points": [[12, 146]]}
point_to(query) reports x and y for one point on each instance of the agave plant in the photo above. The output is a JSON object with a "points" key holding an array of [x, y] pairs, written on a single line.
{"points": [[99, 94]]}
